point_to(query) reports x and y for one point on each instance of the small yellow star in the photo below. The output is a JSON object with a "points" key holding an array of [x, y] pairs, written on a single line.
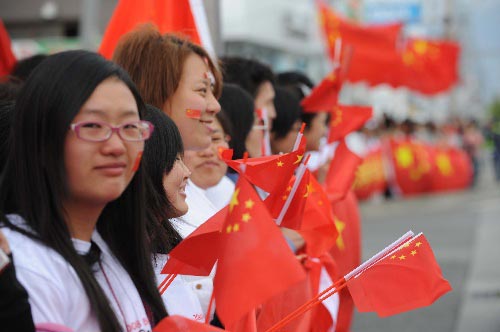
{"points": [[284, 197], [413, 252], [407, 244], [402, 257], [289, 188], [249, 204], [309, 189], [228, 229], [418, 244], [246, 217], [393, 257], [280, 163], [236, 227], [299, 159]]}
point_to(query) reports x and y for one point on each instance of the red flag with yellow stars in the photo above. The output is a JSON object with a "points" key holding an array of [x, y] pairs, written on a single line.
{"points": [[255, 262], [270, 173], [7, 58], [406, 279], [347, 251], [342, 171], [167, 15], [324, 96], [346, 119]]}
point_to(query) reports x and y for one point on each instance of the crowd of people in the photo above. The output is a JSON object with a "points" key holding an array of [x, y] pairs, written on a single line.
{"points": [[107, 166]]}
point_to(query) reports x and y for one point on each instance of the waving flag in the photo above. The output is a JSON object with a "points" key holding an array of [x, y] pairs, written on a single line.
{"points": [[7, 58], [406, 279], [346, 119], [255, 262], [186, 17]]}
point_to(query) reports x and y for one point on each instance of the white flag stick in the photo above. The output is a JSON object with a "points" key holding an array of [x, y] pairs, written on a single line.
{"points": [[381, 254], [300, 174], [299, 137]]}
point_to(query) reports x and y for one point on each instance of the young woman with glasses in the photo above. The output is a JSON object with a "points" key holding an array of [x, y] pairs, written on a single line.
{"points": [[74, 195]]}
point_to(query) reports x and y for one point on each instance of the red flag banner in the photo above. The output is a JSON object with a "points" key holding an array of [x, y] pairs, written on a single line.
{"points": [[324, 96], [167, 15], [7, 58], [406, 279], [342, 171], [271, 173], [452, 169], [346, 119], [255, 261], [370, 176]]}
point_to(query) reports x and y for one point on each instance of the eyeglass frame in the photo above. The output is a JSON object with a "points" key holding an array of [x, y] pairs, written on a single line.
{"points": [[75, 127]]}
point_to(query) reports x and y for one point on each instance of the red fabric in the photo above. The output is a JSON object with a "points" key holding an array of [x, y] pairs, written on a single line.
{"points": [[283, 304], [452, 169], [342, 171], [255, 262], [375, 37], [346, 252], [346, 119], [7, 58], [167, 15], [181, 324], [324, 96], [271, 173], [248, 323], [197, 254], [412, 166], [370, 177], [408, 279]]}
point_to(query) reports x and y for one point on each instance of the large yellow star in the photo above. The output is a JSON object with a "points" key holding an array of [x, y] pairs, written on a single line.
{"points": [[444, 165], [246, 217], [299, 159], [234, 200], [280, 163], [340, 228], [249, 203], [404, 156], [309, 189]]}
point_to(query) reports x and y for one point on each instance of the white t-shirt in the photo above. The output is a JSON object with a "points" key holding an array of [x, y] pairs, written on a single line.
{"points": [[200, 210], [56, 294], [220, 194]]}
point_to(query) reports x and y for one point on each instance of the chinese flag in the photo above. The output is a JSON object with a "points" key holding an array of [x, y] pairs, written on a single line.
{"points": [[407, 279], [346, 119], [197, 254], [342, 171], [271, 173], [181, 324], [375, 37], [7, 58], [370, 177], [167, 15], [324, 96], [347, 251], [255, 261]]}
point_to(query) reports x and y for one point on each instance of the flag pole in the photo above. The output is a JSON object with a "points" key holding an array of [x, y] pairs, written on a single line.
{"points": [[300, 174], [299, 137]]}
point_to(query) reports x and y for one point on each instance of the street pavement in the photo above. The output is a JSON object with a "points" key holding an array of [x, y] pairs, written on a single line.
{"points": [[463, 229]]}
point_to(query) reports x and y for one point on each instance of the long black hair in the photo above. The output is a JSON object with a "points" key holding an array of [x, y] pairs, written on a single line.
{"points": [[34, 181], [160, 153], [239, 107], [288, 111]]}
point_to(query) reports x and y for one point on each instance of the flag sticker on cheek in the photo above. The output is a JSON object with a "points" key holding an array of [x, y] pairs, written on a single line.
{"points": [[137, 162], [193, 114]]}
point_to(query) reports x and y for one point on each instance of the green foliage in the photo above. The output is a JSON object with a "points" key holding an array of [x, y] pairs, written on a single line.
{"points": [[494, 110]]}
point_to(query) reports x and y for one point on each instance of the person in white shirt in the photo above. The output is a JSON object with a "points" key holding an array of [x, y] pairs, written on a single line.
{"points": [[168, 176], [73, 191]]}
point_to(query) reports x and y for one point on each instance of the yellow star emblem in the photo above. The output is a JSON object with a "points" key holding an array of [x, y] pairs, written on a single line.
{"points": [[402, 257], [404, 156], [393, 257], [444, 164], [418, 244], [236, 227], [284, 197], [234, 200], [246, 217], [229, 228], [309, 189], [299, 159], [249, 204], [280, 163], [413, 252]]}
